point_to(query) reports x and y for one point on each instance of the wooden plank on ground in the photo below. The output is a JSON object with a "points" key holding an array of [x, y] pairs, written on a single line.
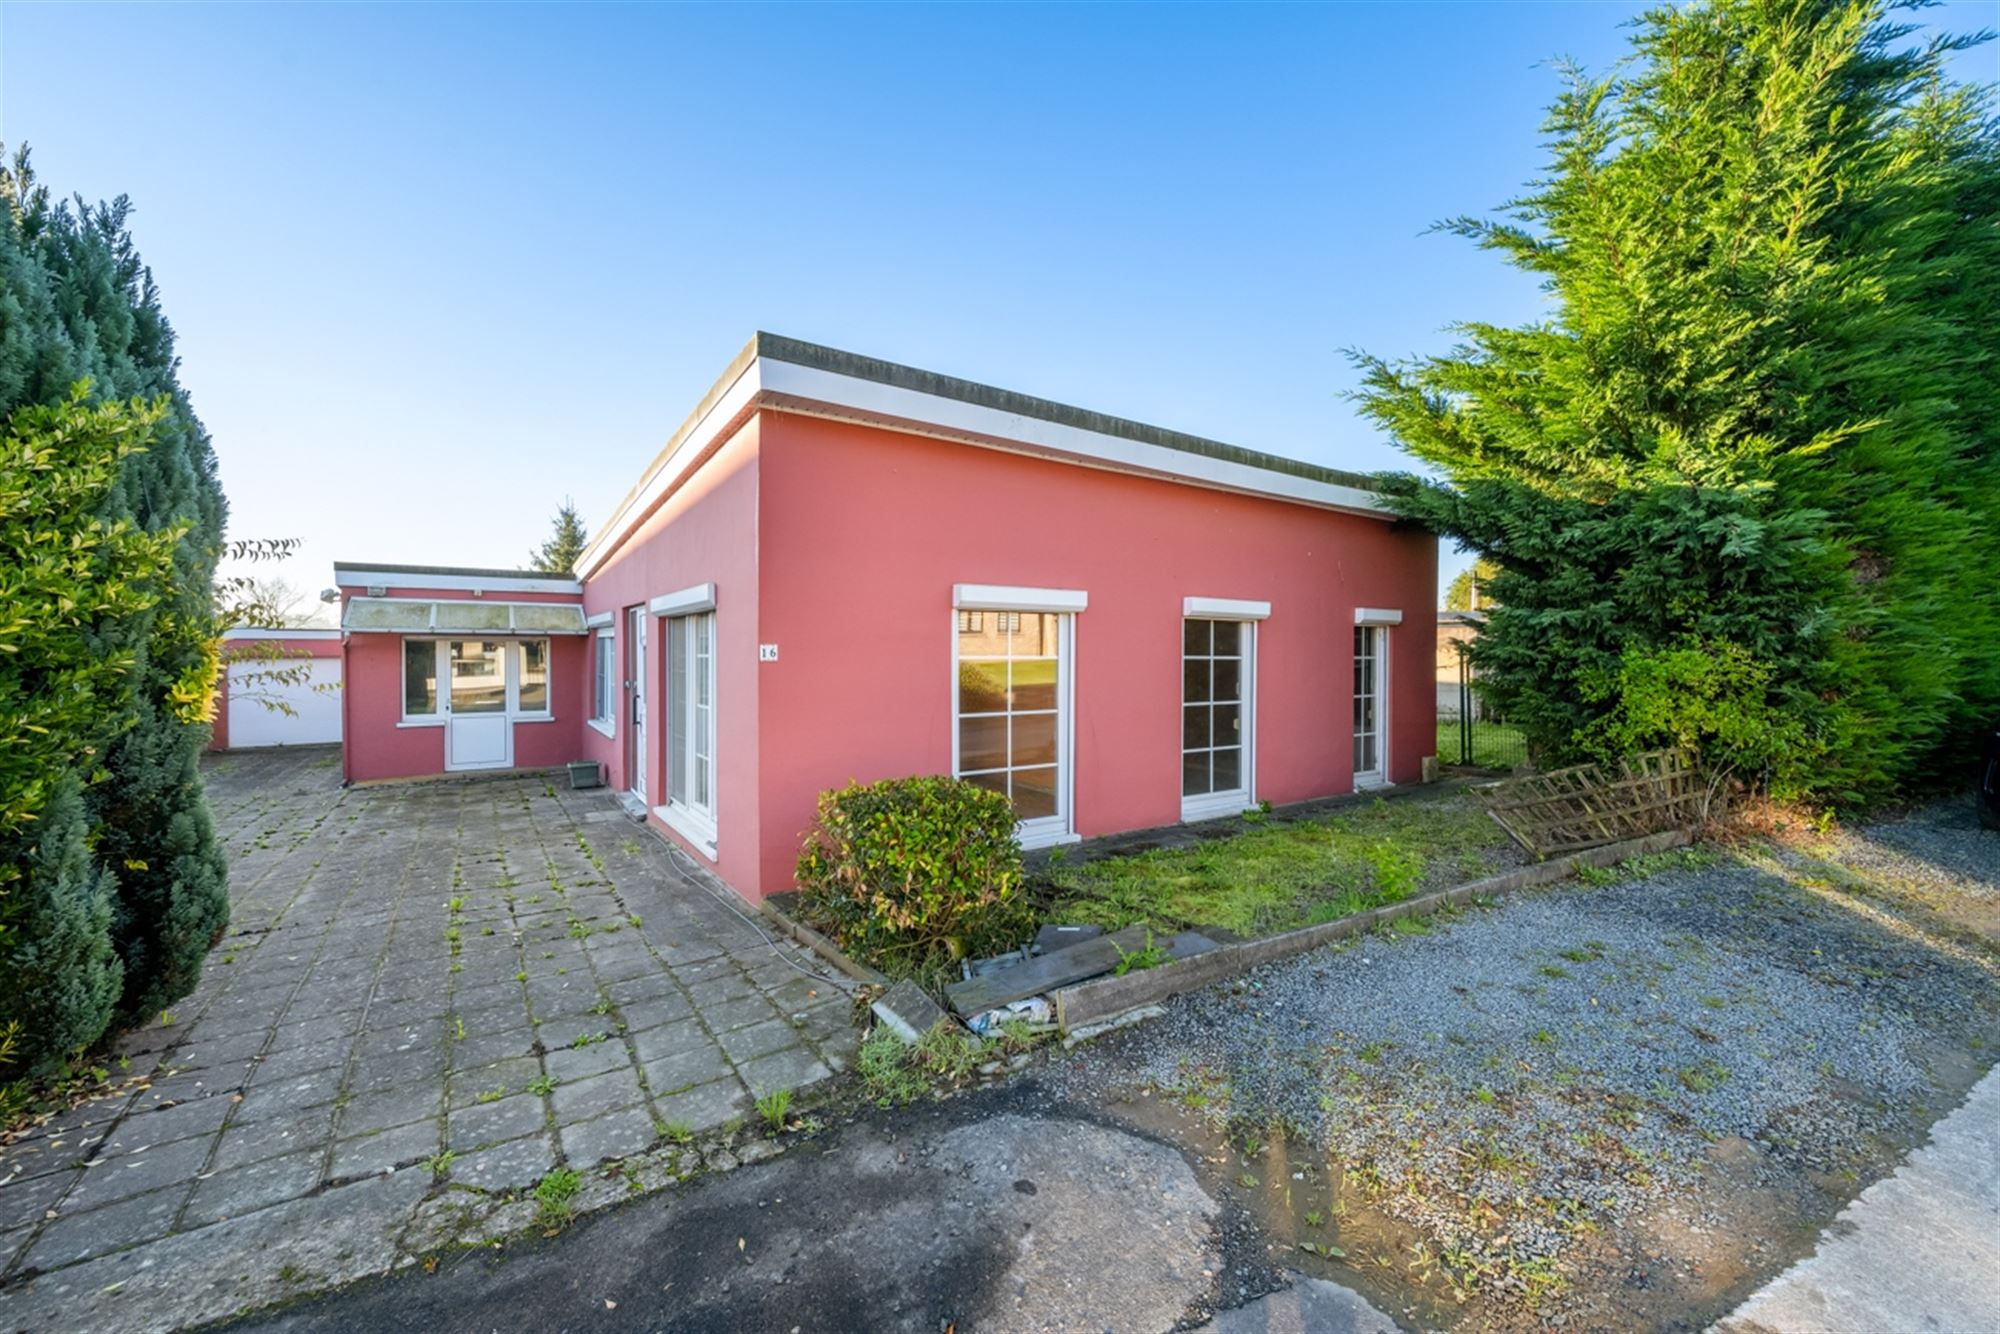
{"points": [[1061, 967]]}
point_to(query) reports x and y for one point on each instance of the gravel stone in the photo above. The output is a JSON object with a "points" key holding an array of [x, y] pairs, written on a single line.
{"points": [[1586, 1045]]}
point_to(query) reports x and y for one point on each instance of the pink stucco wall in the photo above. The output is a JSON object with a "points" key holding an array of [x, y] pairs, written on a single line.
{"points": [[705, 533], [865, 532], [376, 746], [840, 544]]}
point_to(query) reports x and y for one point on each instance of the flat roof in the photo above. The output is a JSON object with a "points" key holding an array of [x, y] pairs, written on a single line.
{"points": [[776, 347], [457, 578], [789, 374], [462, 571]]}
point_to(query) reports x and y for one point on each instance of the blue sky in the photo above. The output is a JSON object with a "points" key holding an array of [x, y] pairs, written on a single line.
{"points": [[434, 268]]}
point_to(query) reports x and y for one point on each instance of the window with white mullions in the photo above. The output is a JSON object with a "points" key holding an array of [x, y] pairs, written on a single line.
{"points": [[1369, 652], [691, 733], [1011, 712], [1215, 716], [604, 681]]}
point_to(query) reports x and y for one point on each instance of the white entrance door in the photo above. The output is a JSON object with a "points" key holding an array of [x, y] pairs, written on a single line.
{"points": [[635, 689], [1370, 659], [478, 732]]}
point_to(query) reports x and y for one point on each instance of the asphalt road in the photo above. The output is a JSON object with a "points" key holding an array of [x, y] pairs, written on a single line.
{"points": [[979, 1218]]}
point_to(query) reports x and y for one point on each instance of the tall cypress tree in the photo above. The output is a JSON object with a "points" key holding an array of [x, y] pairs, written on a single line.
{"points": [[1736, 480], [77, 304], [67, 579]]}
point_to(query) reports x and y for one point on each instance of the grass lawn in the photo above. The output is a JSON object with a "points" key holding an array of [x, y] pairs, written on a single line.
{"points": [[1286, 875], [1494, 745]]}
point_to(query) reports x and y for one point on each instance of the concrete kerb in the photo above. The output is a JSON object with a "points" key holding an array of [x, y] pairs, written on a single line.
{"points": [[821, 946], [1089, 1005]]}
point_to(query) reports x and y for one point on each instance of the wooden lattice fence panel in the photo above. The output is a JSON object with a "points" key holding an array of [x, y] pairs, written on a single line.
{"points": [[1588, 805]]}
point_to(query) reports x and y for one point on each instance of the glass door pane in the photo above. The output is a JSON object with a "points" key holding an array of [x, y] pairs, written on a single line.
{"points": [[1212, 677], [1367, 701], [1009, 707], [677, 709], [701, 738], [478, 676]]}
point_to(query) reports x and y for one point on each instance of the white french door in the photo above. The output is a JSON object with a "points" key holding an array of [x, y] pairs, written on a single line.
{"points": [[1371, 661], [479, 734], [691, 729], [1012, 704], [1217, 727], [635, 695]]}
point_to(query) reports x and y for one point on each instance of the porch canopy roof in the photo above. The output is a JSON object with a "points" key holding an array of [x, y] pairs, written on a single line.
{"points": [[472, 616]]}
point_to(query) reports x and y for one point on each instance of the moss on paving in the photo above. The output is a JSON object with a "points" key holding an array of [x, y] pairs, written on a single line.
{"points": [[1284, 875]]}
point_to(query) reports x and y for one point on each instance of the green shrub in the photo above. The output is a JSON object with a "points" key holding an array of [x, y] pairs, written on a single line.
{"points": [[60, 977], [912, 873]]}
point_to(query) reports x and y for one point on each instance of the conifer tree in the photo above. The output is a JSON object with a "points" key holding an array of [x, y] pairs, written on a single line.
{"points": [[77, 306], [559, 554], [1759, 427], [68, 579]]}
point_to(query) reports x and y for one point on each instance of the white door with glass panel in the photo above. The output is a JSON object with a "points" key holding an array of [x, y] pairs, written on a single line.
{"points": [[477, 689], [1012, 714], [635, 688], [1216, 760], [478, 734], [1371, 653]]}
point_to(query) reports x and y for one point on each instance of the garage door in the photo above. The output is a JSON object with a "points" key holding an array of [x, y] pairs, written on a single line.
{"points": [[315, 716]]}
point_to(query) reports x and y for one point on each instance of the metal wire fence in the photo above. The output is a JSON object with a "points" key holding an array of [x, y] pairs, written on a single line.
{"points": [[1471, 733]]}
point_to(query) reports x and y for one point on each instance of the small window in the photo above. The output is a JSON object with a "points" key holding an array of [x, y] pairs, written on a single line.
{"points": [[534, 687], [604, 701], [420, 684]]}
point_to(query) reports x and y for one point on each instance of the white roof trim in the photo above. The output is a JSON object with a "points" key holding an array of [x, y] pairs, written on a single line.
{"points": [[893, 405], [686, 602], [1377, 616], [602, 618], [791, 387], [1008, 597], [671, 472], [346, 576], [263, 632], [1225, 609]]}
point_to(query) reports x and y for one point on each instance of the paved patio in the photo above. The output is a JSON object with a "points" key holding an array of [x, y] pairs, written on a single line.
{"points": [[425, 987]]}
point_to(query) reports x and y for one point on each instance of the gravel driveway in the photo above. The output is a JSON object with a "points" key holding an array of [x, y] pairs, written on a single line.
{"points": [[1622, 1102]]}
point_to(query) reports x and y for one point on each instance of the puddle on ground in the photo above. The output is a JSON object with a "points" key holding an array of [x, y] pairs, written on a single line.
{"points": [[1312, 1219], [1677, 1263]]}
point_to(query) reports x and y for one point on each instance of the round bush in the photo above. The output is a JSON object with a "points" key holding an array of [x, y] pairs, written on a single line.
{"points": [[911, 873]]}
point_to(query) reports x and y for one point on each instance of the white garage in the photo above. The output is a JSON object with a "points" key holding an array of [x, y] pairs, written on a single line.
{"points": [[311, 715]]}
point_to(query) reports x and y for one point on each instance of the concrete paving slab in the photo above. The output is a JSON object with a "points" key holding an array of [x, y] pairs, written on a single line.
{"points": [[329, 1048], [1917, 1251]]}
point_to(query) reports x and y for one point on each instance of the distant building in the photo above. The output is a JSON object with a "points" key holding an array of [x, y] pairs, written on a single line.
{"points": [[1455, 632]]}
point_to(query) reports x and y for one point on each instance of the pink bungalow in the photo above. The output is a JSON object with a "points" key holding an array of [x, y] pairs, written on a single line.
{"points": [[841, 568]]}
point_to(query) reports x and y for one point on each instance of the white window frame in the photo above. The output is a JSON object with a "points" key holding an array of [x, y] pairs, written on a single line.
{"points": [[1365, 780], [699, 825], [511, 665], [1059, 828], [605, 684], [1213, 805], [517, 668], [439, 681]]}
